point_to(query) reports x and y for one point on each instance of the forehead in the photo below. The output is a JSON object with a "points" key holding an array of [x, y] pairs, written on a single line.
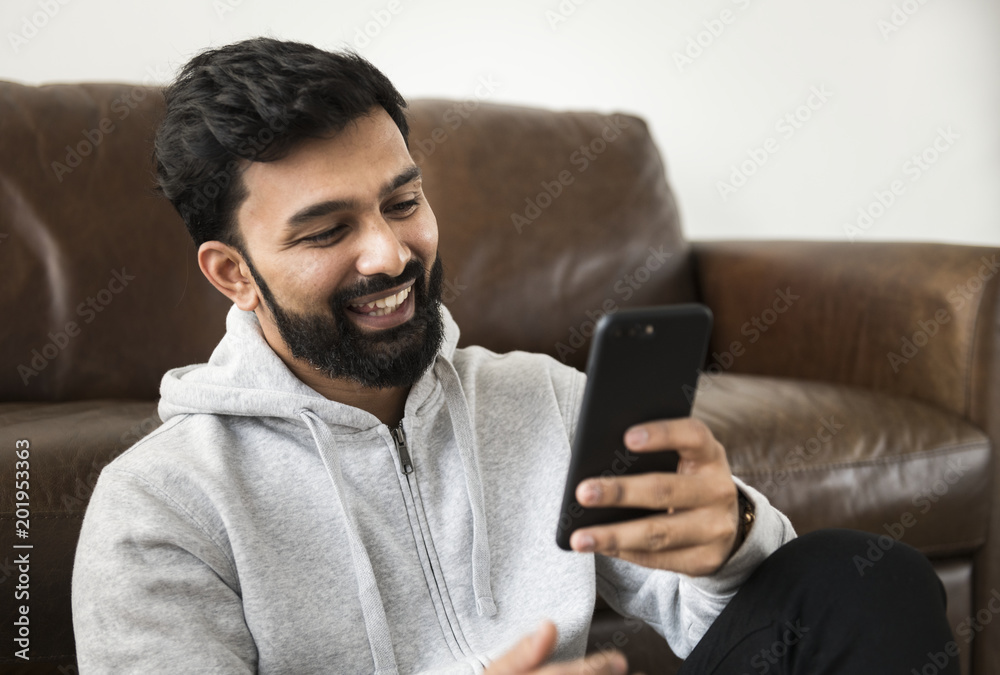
{"points": [[350, 165]]}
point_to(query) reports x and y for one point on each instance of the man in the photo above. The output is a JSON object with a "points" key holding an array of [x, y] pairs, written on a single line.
{"points": [[340, 489]]}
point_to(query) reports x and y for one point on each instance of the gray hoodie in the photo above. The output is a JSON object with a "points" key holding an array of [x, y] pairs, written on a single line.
{"points": [[265, 528]]}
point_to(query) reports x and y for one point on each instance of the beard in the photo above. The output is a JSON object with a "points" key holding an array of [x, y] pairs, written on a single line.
{"points": [[334, 345]]}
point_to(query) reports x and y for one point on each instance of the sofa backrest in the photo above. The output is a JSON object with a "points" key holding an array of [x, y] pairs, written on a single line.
{"points": [[546, 221]]}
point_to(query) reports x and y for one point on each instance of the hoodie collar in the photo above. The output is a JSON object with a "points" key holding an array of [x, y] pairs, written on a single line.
{"points": [[244, 376]]}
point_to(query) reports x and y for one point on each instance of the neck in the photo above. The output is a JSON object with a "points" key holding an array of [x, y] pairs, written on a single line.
{"points": [[386, 404]]}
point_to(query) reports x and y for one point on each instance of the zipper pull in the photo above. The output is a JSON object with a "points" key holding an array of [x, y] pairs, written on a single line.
{"points": [[404, 456]]}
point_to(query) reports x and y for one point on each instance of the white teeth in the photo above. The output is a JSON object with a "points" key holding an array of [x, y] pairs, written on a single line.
{"points": [[385, 305]]}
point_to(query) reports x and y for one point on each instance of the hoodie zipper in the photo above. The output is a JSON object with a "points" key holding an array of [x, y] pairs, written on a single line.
{"points": [[399, 438], [406, 464]]}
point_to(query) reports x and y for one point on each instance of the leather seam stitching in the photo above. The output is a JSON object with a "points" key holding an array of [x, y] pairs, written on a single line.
{"points": [[869, 462]]}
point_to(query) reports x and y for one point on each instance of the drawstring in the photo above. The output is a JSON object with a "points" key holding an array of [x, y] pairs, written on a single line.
{"points": [[461, 422], [376, 624], [372, 608]]}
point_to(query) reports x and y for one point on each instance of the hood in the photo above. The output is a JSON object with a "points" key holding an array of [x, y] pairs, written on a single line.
{"points": [[245, 377]]}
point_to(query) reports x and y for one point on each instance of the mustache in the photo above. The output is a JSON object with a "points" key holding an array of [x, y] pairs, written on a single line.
{"points": [[414, 270]]}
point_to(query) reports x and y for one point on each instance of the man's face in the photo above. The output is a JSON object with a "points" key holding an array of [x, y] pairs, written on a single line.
{"points": [[343, 248]]}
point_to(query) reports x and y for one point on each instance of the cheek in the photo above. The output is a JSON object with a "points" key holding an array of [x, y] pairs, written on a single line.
{"points": [[310, 280], [425, 236]]}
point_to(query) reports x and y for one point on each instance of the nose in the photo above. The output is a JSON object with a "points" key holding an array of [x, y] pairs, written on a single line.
{"points": [[381, 251]]}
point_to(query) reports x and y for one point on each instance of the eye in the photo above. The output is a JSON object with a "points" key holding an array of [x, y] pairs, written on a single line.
{"points": [[404, 208], [325, 236]]}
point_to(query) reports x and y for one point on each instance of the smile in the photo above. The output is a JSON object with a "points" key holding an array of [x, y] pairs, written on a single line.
{"points": [[383, 306], [391, 308]]}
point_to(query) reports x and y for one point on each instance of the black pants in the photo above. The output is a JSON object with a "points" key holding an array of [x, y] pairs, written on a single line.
{"points": [[828, 602]]}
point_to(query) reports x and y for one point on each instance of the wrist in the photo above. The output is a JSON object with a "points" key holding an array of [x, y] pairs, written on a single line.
{"points": [[745, 516]]}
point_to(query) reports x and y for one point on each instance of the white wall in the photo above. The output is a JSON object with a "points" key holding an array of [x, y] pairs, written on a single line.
{"points": [[891, 88]]}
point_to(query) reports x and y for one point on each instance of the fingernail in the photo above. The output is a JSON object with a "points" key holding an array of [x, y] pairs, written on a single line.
{"points": [[590, 492], [636, 437], [619, 665], [585, 543]]}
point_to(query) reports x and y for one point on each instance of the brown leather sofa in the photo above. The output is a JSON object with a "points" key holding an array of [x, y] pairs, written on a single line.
{"points": [[858, 385]]}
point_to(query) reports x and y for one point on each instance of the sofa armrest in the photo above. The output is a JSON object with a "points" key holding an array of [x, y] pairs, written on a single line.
{"points": [[918, 320]]}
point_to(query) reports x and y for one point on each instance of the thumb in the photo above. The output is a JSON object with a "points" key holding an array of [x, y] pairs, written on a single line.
{"points": [[528, 654]]}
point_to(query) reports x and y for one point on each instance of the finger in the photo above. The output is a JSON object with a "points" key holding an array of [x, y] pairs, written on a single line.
{"points": [[528, 654], [659, 491], [655, 534], [688, 436], [599, 663]]}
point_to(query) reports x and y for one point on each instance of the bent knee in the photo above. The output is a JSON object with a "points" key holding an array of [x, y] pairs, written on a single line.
{"points": [[825, 555]]}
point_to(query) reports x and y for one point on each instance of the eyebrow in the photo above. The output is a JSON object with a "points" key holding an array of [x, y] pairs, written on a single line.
{"points": [[320, 209]]}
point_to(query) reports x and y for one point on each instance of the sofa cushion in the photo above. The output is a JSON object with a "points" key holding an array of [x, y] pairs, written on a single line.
{"points": [[69, 445], [830, 455], [548, 220]]}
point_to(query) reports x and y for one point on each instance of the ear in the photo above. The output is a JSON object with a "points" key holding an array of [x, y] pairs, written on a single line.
{"points": [[225, 268]]}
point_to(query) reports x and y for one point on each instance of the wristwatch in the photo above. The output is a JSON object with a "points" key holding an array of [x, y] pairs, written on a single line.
{"points": [[746, 519]]}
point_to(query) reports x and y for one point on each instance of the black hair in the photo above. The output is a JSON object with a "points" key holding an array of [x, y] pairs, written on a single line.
{"points": [[253, 101]]}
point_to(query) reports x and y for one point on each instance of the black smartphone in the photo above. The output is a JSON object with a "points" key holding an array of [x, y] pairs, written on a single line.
{"points": [[643, 366]]}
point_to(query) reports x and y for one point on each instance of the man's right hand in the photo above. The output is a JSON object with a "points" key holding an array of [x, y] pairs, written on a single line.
{"points": [[529, 656]]}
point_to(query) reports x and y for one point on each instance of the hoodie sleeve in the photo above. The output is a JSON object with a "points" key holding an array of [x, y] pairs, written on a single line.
{"points": [[152, 592], [679, 607]]}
